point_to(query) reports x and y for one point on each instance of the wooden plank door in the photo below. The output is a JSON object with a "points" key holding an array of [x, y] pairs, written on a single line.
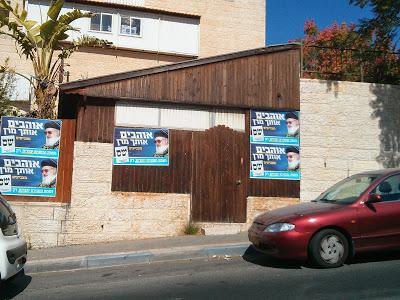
{"points": [[219, 175]]}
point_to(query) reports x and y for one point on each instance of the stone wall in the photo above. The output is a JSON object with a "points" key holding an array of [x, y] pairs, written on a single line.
{"points": [[259, 205], [255, 207], [40, 222], [346, 128], [96, 214]]}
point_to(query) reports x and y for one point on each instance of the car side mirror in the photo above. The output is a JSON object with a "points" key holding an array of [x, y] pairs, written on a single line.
{"points": [[373, 198]]}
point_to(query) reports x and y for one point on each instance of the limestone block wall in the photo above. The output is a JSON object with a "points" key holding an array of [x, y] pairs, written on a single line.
{"points": [[346, 128], [255, 207], [40, 223], [259, 205], [98, 215]]}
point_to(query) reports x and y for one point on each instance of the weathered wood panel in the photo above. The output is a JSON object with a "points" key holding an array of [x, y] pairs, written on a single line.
{"points": [[274, 188], [65, 166], [95, 121], [219, 186], [174, 178], [269, 80]]}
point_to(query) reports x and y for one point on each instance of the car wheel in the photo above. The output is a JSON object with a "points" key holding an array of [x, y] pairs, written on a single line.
{"points": [[329, 248]]}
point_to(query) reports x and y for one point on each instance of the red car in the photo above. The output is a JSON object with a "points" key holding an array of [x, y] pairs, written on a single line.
{"points": [[360, 213]]}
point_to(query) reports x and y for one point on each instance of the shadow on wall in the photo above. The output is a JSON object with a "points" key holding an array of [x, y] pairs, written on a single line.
{"points": [[386, 108], [332, 85]]}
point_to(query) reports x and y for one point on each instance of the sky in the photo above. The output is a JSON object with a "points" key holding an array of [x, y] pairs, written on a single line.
{"points": [[285, 18]]}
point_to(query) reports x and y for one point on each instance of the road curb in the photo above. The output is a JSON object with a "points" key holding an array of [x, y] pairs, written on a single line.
{"points": [[234, 250], [128, 258]]}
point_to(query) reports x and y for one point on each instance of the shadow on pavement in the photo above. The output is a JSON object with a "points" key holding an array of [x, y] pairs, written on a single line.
{"points": [[14, 286], [253, 256], [375, 257]]}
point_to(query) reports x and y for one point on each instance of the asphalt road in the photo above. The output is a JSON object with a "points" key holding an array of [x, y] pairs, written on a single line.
{"points": [[253, 276]]}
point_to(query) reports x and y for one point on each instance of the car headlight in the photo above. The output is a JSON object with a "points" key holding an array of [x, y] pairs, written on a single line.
{"points": [[279, 227]]}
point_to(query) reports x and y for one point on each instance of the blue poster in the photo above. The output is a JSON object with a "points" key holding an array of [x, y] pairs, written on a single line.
{"points": [[30, 137], [29, 150], [141, 146], [274, 127], [28, 176], [272, 161]]}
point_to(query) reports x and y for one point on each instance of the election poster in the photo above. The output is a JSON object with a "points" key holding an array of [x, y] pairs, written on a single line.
{"points": [[28, 176], [274, 145], [29, 152], [274, 127], [30, 137], [272, 161], [141, 146]]}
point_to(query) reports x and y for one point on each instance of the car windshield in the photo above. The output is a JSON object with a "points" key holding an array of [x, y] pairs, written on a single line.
{"points": [[348, 190]]}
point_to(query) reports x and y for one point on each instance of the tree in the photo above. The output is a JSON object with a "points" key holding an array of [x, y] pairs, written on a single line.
{"points": [[385, 24], [340, 52], [46, 46], [7, 79]]}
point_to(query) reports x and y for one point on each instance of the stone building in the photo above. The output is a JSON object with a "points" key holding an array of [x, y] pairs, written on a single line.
{"points": [[205, 104], [148, 33], [346, 128]]}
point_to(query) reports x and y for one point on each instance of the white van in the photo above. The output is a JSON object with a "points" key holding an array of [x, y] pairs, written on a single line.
{"points": [[13, 250]]}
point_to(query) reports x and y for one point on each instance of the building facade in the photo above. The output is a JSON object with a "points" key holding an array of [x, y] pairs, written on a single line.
{"points": [[148, 33], [205, 104], [346, 128]]}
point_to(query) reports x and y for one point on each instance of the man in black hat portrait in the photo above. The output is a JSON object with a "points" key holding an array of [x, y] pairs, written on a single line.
{"points": [[52, 132], [49, 173], [293, 158], [293, 124], [161, 142]]}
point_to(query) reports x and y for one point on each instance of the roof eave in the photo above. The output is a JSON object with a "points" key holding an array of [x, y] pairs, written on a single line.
{"points": [[79, 84]]}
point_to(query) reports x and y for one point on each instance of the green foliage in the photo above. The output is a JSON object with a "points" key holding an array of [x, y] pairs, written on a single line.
{"points": [[7, 79], [340, 52], [191, 228], [385, 23], [39, 43]]}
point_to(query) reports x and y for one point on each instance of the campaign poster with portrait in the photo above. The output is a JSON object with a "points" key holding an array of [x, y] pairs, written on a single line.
{"points": [[28, 176], [273, 127], [141, 146], [272, 161], [30, 137]]}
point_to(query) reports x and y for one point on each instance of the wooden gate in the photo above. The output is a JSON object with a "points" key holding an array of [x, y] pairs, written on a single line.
{"points": [[219, 175]]}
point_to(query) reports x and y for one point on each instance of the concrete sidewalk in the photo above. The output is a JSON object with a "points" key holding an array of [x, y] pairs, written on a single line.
{"points": [[137, 251]]}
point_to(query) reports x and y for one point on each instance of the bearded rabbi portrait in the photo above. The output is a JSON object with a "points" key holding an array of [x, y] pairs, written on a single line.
{"points": [[293, 158], [293, 124], [49, 173], [161, 143], [52, 133]]}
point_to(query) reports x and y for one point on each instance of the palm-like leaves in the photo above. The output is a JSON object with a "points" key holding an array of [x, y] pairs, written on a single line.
{"points": [[38, 42]]}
